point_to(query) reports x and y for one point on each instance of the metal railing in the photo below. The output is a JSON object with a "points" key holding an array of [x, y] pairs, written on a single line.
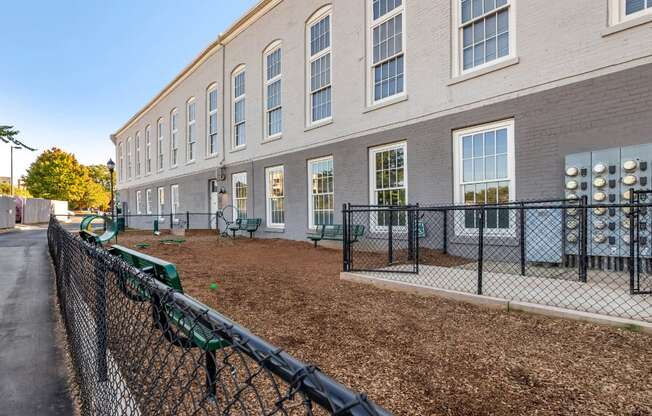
{"points": [[139, 347], [565, 253]]}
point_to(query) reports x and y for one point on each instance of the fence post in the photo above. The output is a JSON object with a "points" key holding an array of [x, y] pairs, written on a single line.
{"points": [[446, 231], [410, 232], [171, 221], [345, 240], [217, 221], [631, 263], [187, 220], [522, 237], [390, 237], [584, 233], [480, 247], [416, 235], [100, 325]]}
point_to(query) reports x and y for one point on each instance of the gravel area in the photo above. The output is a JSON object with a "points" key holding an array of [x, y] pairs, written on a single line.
{"points": [[412, 354]]}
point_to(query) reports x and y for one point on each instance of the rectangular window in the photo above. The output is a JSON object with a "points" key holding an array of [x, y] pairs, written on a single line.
{"points": [[160, 133], [121, 161], [387, 63], [138, 201], [174, 138], [148, 150], [273, 109], [191, 132], [129, 158], [148, 201], [388, 179], [137, 153], [239, 181], [484, 31], [275, 191], [321, 207], [484, 171], [212, 121], [239, 116], [174, 200], [319, 68], [161, 203], [637, 6]]}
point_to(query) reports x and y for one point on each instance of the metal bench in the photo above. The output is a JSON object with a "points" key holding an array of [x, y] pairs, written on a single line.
{"points": [[335, 232], [161, 270], [249, 225]]}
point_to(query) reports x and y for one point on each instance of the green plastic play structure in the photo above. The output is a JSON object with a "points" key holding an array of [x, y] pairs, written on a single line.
{"points": [[86, 233]]}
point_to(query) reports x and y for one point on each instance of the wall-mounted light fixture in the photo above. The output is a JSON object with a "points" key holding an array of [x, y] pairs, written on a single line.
{"points": [[222, 173], [222, 190]]}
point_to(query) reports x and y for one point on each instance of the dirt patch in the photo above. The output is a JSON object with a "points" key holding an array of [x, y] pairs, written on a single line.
{"points": [[413, 355]]}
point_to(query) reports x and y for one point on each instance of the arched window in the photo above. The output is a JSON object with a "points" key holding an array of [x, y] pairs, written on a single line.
{"points": [[386, 49], [191, 129], [238, 110], [272, 103], [211, 119], [174, 138], [318, 52]]}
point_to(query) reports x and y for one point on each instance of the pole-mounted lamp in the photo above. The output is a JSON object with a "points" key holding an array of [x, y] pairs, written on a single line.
{"points": [[111, 166]]}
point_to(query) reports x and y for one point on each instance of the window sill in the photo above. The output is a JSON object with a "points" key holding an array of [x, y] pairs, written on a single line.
{"points": [[272, 139], [386, 103], [212, 156], [483, 71], [174, 167], [318, 125], [627, 24], [279, 230], [238, 149]]}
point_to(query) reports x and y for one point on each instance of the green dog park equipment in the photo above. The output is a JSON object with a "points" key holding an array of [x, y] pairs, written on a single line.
{"points": [[86, 233], [162, 270]]}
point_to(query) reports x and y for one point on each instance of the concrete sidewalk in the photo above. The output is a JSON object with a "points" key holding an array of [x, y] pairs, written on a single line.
{"points": [[33, 380]]}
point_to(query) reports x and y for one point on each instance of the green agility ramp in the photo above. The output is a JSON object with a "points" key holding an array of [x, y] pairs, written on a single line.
{"points": [[86, 233]]}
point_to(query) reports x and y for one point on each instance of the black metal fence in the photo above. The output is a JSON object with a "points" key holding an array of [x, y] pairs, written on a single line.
{"points": [[139, 347], [564, 253], [186, 220]]}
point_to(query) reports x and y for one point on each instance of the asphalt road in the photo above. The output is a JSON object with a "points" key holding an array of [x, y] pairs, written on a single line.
{"points": [[33, 380]]}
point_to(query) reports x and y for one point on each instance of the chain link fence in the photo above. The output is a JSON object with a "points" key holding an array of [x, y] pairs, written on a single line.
{"points": [[140, 348], [568, 254]]}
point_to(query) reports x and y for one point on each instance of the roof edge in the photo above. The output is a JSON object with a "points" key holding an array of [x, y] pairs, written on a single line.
{"points": [[223, 38]]}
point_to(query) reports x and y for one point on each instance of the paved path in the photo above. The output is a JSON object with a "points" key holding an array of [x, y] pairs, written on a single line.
{"points": [[32, 374]]}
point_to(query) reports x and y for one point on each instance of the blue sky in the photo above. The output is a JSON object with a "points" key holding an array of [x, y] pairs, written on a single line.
{"points": [[72, 72]]}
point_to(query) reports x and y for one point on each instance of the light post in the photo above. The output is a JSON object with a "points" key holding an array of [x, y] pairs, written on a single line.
{"points": [[11, 181], [111, 166]]}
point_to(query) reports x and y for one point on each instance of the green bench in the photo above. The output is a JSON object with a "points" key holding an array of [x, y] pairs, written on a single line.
{"points": [[335, 232], [200, 335], [249, 225]]}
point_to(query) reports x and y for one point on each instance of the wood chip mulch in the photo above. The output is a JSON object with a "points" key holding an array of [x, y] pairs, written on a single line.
{"points": [[413, 355]]}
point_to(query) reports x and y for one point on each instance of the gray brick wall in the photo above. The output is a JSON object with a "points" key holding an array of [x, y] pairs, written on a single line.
{"points": [[613, 110]]}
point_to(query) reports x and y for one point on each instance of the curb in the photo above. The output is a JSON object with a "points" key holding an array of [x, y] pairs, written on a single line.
{"points": [[499, 303]]}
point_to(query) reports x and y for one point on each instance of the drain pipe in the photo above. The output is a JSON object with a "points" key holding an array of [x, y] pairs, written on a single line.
{"points": [[223, 158]]}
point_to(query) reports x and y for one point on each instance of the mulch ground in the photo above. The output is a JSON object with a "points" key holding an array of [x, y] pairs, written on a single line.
{"points": [[413, 355]]}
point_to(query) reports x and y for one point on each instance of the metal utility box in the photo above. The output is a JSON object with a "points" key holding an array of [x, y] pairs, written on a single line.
{"points": [[577, 183], [604, 223], [544, 235], [635, 174]]}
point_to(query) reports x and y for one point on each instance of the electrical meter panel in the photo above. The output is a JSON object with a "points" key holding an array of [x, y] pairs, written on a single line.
{"points": [[604, 223], [635, 174], [577, 184]]}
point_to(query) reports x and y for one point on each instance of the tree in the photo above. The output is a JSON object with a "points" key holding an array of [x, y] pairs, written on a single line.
{"points": [[5, 189], [101, 175], [57, 175]]}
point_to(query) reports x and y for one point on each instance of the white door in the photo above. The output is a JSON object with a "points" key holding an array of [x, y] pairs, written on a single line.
{"points": [[213, 202]]}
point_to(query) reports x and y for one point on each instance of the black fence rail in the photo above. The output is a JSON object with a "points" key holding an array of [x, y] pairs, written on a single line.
{"points": [[139, 348], [186, 220], [564, 253]]}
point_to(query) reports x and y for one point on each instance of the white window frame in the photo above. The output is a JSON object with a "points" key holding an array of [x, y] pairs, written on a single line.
{"points": [[235, 100], [458, 32], [174, 202], [160, 131], [241, 177], [160, 209], [373, 198], [148, 201], [139, 196], [617, 12], [129, 171], [372, 24], [317, 17], [268, 197], [210, 149], [191, 125], [148, 149], [311, 216], [458, 180], [272, 48], [174, 138], [137, 153]]}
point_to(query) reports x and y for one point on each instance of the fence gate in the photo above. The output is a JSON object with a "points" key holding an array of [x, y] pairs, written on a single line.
{"points": [[641, 235]]}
